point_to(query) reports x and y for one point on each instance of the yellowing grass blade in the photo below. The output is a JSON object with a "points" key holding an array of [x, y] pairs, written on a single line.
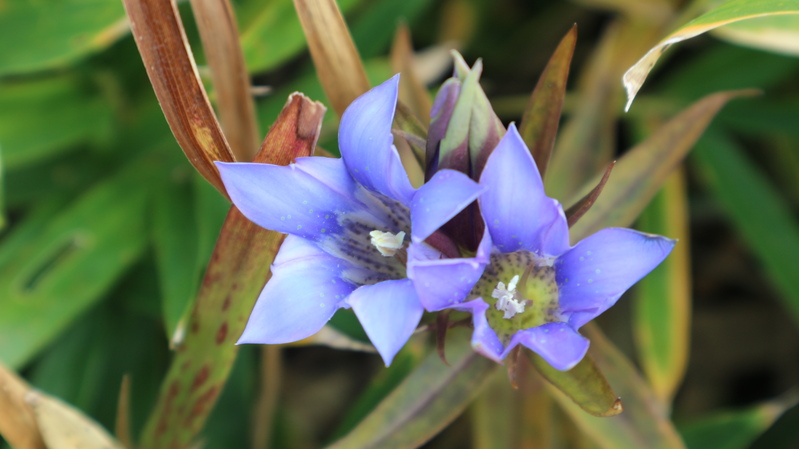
{"points": [[728, 12]]}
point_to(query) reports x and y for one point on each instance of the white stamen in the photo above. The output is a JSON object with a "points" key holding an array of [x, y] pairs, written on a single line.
{"points": [[386, 242], [506, 298]]}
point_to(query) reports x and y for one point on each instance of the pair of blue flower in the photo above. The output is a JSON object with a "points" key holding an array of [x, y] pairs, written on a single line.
{"points": [[361, 237]]}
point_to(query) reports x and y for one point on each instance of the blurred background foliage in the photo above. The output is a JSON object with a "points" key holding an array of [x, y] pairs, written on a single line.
{"points": [[105, 229]]}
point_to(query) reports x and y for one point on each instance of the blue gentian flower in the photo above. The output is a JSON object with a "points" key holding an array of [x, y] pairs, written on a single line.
{"points": [[538, 290], [350, 222]]}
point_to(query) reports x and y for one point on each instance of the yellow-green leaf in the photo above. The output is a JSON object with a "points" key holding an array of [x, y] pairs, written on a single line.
{"points": [[779, 33], [584, 384], [662, 311]]}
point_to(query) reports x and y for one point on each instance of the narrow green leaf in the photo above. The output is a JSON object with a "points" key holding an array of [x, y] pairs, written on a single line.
{"points": [[756, 208], [374, 28], [42, 117], [2, 193], [662, 306], [735, 429], [584, 384], [641, 172], [539, 125], [56, 265], [644, 422], [494, 414], [175, 242], [380, 386], [727, 12], [53, 33], [425, 402]]}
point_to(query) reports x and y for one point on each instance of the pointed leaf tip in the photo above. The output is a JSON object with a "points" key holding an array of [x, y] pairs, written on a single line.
{"points": [[581, 207], [539, 124]]}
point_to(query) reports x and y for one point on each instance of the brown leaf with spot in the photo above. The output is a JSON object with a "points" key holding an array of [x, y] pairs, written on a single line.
{"points": [[220, 37], [337, 62], [237, 272], [164, 48], [539, 125]]}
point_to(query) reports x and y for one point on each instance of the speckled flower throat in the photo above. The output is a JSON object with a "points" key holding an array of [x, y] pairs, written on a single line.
{"points": [[521, 290]]}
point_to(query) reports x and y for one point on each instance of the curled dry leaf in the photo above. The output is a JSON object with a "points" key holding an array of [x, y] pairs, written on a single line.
{"points": [[164, 48]]}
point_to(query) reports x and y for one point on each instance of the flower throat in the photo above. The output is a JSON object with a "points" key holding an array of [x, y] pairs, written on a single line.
{"points": [[521, 290]]}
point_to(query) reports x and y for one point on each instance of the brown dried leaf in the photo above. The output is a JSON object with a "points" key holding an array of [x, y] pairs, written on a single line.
{"points": [[220, 36], [337, 62], [17, 422], [159, 34], [65, 427]]}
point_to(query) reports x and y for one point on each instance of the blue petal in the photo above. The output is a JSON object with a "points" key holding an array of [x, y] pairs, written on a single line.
{"points": [[290, 199], [366, 146], [484, 339], [517, 212], [558, 343], [440, 199], [441, 283], [594, 274], [389, 313], [305, 290]]}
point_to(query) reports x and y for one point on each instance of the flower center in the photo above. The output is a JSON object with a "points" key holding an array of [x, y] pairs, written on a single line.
{"points": [[386, 242], [507, 300], [529, 299]]}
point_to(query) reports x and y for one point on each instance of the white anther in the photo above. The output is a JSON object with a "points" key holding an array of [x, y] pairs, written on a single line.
{"points": [[506, 298], [386, 242]]}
